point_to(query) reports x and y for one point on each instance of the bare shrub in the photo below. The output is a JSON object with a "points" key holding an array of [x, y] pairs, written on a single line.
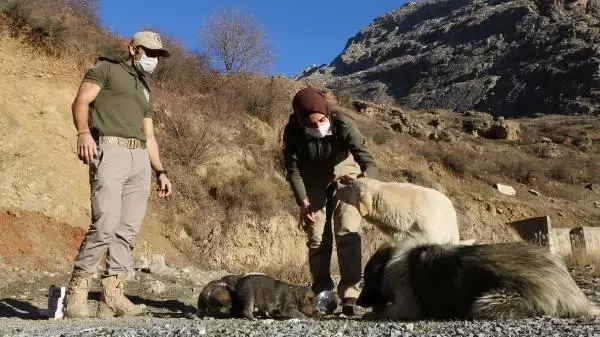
{"points": [[188, 138], [248, 192], [382, 137], [184, 71], [263, 98], [236, 40], [52, 25], [460, 161]]}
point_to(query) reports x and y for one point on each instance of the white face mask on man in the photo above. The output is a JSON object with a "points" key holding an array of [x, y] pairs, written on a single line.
{"points": [[146, 64], [319, 132]]}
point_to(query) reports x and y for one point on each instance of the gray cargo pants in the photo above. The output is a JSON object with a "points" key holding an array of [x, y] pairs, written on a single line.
{"points": [[346, 226], [119, 191]]}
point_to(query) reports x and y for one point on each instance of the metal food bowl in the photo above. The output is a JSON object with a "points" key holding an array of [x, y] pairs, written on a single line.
{"points": [[325, 302]]}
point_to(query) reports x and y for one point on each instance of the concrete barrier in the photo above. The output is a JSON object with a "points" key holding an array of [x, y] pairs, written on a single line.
{"points": [[535, 230], [586, 240], [560, 241]]}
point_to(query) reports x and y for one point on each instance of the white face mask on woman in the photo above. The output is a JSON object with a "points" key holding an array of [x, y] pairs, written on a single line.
{"points": [[146, 64], [320, 132]]}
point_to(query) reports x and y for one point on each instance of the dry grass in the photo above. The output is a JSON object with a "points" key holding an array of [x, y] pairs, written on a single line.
{"points": [[57, 27], [583, 263]]}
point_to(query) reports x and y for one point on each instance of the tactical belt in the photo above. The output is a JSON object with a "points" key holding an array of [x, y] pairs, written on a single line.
{"points": [[130, 143]]}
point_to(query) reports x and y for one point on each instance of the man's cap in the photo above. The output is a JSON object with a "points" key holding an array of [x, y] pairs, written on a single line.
{"points": [[150, 40]]}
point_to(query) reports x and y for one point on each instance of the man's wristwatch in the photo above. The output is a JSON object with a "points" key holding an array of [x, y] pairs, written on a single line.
{"points": [[158, 173]]}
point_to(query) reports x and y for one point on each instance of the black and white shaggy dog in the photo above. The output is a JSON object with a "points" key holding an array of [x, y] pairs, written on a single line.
{"points": [[488, 281]]}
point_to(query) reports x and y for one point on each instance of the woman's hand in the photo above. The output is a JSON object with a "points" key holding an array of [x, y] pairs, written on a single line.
{"points": [[307, 214], [348, 178]]}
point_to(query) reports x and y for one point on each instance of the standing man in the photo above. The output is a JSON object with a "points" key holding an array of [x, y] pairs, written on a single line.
{"points": [[320, 145], [115, 137]]}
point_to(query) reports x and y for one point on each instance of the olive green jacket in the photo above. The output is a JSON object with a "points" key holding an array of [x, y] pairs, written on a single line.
{"points": [[301, 151]]}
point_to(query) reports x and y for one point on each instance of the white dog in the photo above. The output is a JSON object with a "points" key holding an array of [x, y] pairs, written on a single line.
{"points": [[408, 213]]}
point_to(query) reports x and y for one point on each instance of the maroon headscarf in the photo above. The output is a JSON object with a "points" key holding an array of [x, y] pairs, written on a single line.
{"points": [[308, 101]]}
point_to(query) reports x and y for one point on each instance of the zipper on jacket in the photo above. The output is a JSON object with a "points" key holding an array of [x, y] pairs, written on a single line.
{"points": [[318, 148]]}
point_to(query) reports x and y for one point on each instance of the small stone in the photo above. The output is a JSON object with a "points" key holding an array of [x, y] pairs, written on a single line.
{"points": [[157, 287], [490, 208], [597, 203], [561, 214], [410, 327], [505, 189], [534, 192], [545, 140]]}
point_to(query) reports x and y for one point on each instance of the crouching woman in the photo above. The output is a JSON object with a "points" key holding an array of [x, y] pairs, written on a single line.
{"points": [[320, 145]]}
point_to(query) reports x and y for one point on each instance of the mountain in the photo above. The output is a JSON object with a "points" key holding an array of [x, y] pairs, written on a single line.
{"points": [[505, 57]]}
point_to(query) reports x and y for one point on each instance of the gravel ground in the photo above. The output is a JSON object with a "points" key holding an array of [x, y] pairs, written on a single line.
{"points": [[155, 327], [23, 295]]}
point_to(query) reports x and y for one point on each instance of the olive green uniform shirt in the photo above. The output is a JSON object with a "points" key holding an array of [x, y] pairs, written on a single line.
{"points": [[123, 102], [304, 152]]}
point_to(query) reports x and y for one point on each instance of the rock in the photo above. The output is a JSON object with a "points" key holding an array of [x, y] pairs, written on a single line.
{"points": [[448, 136], [583, 144], [142, 263], [534, 192], [436, 123], [593, 187], [597, 203], [490, 208], [130, 275], [503, 130], [505, 189], [156, 287], [434, 136], [468, 54], [549, 150], [545, 140], [158, 266], [370, 111], [398, 127], [419, 133], [479, 125]]}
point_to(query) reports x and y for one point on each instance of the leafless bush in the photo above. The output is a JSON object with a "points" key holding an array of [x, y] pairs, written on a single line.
{"points": [[236, 40], [187, 138], [264, 98], [52, 25], [184, 71]]}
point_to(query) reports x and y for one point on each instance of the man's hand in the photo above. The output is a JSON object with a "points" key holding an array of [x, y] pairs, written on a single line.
{"points": [[86, 147], [348, 178], [164, 186]]}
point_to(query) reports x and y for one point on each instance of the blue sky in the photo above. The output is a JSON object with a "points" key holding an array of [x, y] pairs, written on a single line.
{"points": [[302, 32]]}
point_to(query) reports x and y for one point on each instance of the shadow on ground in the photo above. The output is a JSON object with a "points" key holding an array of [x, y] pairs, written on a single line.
{"points": [[12, 308]]}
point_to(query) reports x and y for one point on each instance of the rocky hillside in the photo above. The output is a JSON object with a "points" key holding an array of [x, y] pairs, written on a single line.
{"points": [[232, 208], [507, 57]]}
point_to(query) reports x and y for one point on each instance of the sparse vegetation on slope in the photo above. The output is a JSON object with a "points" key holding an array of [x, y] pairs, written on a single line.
{"points": [[220, 137]]}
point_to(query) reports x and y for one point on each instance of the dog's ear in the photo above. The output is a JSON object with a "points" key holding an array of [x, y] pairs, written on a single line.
{"points": [[365, 203]]}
